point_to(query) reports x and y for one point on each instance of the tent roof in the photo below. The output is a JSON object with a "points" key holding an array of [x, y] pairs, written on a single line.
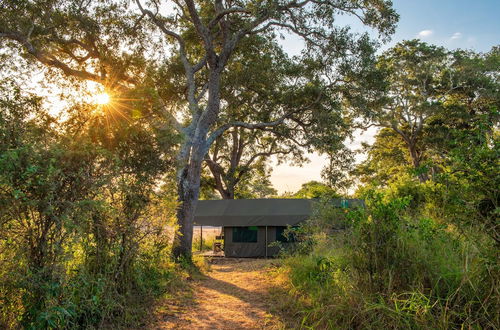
{"points": [[256, 212]]}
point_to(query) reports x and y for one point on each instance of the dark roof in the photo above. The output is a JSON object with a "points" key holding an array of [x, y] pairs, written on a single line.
{"points": [[256, 212]]}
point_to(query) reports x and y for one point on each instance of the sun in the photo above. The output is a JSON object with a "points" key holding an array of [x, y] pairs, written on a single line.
{"points": [[102, 98]]}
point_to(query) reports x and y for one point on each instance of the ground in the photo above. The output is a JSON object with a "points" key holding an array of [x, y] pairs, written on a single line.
{"points": [[234, 294]]}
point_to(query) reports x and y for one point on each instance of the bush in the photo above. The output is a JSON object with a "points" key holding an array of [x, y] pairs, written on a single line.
{"points": [[84, 229], [389, 269]]}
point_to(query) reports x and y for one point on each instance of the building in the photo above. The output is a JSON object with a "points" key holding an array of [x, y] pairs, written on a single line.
{"points": [[251, 225]]}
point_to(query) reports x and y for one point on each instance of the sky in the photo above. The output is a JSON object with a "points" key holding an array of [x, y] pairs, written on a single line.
{"points": [[466, 24]]}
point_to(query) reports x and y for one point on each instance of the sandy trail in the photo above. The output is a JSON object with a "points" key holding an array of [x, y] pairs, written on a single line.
{"points": [[233, 295]]}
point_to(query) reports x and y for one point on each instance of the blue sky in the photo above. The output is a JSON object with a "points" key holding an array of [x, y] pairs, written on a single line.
{"points": [[467, 24], [470, 24]]}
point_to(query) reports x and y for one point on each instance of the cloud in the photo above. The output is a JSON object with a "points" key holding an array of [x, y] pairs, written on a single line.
{"points": [[425, 33], [456, 35]]}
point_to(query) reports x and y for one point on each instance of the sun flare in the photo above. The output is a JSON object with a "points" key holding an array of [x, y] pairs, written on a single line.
{"points": [[102, 99]]}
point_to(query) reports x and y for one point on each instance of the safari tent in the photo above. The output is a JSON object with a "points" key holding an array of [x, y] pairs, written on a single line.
{"points": [[250, 225]]}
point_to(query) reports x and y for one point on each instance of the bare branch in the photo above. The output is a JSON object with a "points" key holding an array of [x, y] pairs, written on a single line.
{"points": [[265, 154], [188, 68], [202, 93], [198, 66]]}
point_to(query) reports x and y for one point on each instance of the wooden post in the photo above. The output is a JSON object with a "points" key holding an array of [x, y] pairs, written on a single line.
{"points": [[266, 242], [201, 238]]}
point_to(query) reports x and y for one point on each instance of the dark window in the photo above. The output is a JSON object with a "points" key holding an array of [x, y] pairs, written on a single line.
{"points": [[245, 234], [280, 237]]}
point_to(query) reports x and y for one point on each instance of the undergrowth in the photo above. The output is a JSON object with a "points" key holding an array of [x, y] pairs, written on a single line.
{"points": [[388, 270]]}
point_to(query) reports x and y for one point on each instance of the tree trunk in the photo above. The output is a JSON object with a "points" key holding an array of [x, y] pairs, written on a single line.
{"points": [[225, 193], [218, 174], [415, 159], [188, 185], [188, 188], [230, 192]]}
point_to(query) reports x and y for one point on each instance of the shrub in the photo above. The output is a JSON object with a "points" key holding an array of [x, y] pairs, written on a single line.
{"points": [[389, 269], [83, 226]]}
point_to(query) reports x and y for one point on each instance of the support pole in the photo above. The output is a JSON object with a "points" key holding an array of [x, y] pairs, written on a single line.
{"points": [[266, 242], [201, 238]]}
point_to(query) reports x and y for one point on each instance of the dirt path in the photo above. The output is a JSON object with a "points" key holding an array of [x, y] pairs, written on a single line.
{"points": [[233, 295]]}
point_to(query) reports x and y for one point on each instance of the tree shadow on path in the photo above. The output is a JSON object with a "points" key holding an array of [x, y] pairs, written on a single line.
{"points": [[234, 295]]}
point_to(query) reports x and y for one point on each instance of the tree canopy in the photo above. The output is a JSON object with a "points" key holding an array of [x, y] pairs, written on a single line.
{"points": [[150, 47]]}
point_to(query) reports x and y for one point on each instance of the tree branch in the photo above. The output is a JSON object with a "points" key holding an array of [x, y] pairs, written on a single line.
{"points": [[219, 131], [188, 68], [161, 24], [48, 59], [203, 32], [225, 12]]}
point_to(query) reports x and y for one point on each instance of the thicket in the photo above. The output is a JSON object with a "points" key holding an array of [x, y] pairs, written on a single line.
{"points": [[424, 253], [392, 266], [83, 224]]}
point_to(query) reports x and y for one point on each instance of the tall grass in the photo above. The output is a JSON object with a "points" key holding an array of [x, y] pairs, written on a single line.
{"points": [[389, 270], [208, 239]]}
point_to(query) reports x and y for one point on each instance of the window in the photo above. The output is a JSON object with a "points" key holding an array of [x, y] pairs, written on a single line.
{"points": [[280, 237], [245, 234]]}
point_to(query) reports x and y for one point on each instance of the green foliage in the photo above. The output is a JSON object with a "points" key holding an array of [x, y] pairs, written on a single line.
{"points": [[387, 158], [258, 186], [472, 198], [315, 189], [208, 243], [428, 100], [84, 229], [425, 252], [390, 269]]}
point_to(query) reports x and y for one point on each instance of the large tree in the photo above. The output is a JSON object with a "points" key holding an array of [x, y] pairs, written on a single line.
{"points": [[261, 84], [233, 161], [254, 90], [124, 46], [414, 79], [430, 100]]}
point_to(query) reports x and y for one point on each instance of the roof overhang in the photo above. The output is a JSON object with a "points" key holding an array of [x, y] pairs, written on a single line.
{"points": [[257, 212]]}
